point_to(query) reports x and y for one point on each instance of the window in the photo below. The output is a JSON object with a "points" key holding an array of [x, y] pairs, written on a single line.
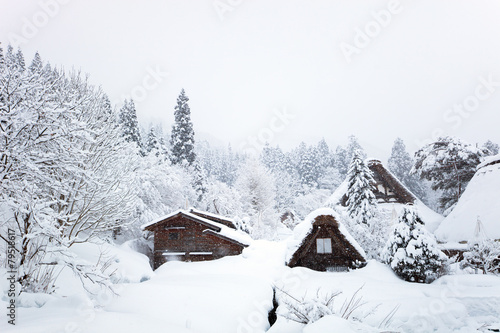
{"points": [[173, 235], [324, 245]]}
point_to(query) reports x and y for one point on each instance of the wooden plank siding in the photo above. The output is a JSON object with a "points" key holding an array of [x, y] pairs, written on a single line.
{"points": [[190, 240]]}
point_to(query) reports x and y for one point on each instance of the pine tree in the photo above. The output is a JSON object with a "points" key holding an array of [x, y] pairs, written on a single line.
{"points": [[20, 60], [449, 164], [412, 251], [2, 60], [308, 167], [129, 124], [182, 139], [152, 143], [400, 164], [199, 181], [361, 202], [36, 65]]}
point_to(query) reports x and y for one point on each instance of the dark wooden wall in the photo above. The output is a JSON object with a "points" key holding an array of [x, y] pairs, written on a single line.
{"points": [[343, 254], [191, 239]]}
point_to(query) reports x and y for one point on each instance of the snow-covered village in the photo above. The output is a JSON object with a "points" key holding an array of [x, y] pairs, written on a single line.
{"points": [[247, 167]]}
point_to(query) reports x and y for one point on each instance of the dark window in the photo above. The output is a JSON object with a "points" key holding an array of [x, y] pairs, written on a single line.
{"points": [[173, 235]]}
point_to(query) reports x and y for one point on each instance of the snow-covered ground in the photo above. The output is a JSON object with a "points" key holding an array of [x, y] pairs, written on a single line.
{"points": [[234, 294]]}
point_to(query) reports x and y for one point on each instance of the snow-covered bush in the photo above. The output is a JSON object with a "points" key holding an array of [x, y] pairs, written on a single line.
{"points": [[309, 310], [483, 255], [412, 251]]}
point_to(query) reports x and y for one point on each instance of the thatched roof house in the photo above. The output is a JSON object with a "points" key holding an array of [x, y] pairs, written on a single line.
{"points": [[478, 205], [388, 189], [192, 235], [322, 243]]}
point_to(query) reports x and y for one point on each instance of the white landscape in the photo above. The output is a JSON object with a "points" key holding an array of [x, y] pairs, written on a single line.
{"points": [[257, 166]]}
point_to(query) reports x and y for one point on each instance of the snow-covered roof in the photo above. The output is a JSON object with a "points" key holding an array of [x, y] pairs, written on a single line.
{"points": [[211, 215], [428, 216], [304, 228], [481, 199], [220, 229]]}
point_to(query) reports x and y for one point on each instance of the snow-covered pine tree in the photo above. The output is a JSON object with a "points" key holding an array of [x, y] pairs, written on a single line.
{"points": [[127, 118], [361, 202], [36, 65], [152, 143], [308, 167], [449, 163], [2, 60], [412, 251], [400, 164], [20, 60], [182, 137], [199, 181]]}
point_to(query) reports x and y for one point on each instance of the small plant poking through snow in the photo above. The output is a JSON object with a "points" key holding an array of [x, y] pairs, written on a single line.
{"points": [[309, 310]]}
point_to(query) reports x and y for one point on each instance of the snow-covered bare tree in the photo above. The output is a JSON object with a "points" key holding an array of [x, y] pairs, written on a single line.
{"points": [[449, 163], [361, 202], [63, 167], [412, 251], [182, 137], [492, 147], [257, 189]]}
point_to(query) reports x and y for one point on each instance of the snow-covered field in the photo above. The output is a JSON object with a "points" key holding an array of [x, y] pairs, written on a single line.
{"points": [[234, 294]]}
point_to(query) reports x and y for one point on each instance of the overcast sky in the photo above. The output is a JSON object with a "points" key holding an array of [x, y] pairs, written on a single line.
{"points": [[284, 71]]}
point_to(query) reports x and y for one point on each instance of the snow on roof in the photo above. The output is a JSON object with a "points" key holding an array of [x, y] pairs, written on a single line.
{"points": [[215, 216], [223, 230], [428, 216], [304, 228], [489, 160], [480, 199]]}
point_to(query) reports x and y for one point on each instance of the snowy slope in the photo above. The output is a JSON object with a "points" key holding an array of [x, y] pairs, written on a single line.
{"points": [[480, 199]]}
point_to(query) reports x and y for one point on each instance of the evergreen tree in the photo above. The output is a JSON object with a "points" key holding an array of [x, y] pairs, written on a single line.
{"points": [[182, 139], [152, 143], [412, 251], [129, 124], [36, 65], [400, 164], [199, 182], [361, 202], [2, 60], [449, 164], [20, 60], [308, 167]]}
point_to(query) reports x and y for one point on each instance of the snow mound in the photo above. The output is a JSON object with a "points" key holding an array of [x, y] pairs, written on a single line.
{"points": [[480, 200]]}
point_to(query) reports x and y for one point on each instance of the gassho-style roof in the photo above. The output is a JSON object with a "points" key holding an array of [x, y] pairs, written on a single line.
{"points": [[478, 205], [303, 230], [211, 221]]}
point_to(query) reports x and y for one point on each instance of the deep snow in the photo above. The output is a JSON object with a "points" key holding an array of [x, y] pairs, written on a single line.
{"points": [[234, 294]]}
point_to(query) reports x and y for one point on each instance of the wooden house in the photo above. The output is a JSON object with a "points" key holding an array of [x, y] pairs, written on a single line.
{"points": [[192, 235], [388, 189], [322, 243]]}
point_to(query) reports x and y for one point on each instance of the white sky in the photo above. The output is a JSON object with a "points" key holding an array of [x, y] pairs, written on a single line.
{"points": [[268, 55]]}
